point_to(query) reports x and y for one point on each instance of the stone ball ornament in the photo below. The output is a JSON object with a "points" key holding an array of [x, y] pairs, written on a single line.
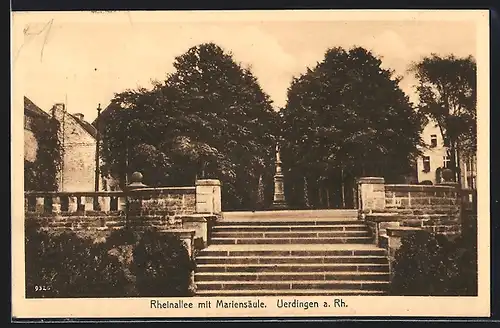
{"points": [[136, 180]]}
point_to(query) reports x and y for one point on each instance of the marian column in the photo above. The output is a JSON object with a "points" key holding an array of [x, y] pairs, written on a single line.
{"points": [[279, 195]]}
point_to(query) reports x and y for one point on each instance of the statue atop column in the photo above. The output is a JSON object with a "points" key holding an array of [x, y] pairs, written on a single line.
{"points": [[279, 201]]}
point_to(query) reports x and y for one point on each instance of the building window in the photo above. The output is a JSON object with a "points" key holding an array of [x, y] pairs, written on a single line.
{"points": [[434, 140], [427, 163], [446, 162]]}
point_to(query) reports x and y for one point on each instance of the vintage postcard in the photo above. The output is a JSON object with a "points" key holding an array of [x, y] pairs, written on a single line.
{"points": [[250, 164]]}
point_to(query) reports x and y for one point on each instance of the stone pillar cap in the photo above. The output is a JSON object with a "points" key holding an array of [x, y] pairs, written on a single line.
{"points": [[208, 182], [371, 180]]}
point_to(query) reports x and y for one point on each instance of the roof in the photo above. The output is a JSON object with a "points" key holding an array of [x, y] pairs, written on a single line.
{"points": [[31, 109], [86, 126]]}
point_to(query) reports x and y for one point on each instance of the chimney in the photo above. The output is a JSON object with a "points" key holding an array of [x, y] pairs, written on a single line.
{"points": [[58, 110], [79, 116]]}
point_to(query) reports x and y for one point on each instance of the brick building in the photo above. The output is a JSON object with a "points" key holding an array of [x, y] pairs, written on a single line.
{"points": [[435, 158], [78, 142]]}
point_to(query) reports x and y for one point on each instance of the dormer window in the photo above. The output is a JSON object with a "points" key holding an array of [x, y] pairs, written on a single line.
{"points": [[433, 140]]}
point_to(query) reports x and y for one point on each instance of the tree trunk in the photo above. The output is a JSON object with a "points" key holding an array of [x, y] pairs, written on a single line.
{"points": [[327, 197], [342, 185], [459, 169], [306, 193]]}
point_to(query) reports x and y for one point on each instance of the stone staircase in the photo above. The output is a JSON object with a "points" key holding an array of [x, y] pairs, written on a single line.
{"points": [[290, 253]]}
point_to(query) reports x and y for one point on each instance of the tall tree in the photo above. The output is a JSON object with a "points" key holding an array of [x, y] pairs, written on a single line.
{"points": [[208, 119], [345, 118], [447, 94]]}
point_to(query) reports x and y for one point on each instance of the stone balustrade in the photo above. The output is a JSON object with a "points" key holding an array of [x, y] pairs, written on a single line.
{"points": [[67, 203], [165, 208]]}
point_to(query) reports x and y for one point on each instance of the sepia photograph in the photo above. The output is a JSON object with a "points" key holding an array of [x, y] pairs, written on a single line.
{"points": [[250, 163]]}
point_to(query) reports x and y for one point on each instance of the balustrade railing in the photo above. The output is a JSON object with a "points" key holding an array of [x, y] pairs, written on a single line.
{"points": [[74, 202]]}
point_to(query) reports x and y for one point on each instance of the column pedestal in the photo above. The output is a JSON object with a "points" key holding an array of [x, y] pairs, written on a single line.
{"points": [[279, 202]]}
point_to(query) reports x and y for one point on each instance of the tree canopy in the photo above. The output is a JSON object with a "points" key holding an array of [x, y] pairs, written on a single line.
{"points": [[208, 119], [345, 118], [447, 94]]}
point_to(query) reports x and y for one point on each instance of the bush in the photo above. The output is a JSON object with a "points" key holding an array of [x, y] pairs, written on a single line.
{"points": [[431, 265], [128, 264], [162, 265], [64, 265], [448, 175]]}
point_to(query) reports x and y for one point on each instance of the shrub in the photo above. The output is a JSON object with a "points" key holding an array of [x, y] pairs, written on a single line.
{"points": [[447, 175], [162, 265], [64, 265], [121, 237], [431, 265]]}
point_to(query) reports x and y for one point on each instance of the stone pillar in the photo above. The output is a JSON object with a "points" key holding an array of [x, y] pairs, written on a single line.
{"points": [[198, 223], [72, 204], [371, 194], [279, 201], [104, 203], [208, 196], [56, 205], [187, 236], [40, 205]]}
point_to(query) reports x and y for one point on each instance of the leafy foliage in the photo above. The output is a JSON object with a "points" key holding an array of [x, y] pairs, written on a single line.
{"points": [[209, 119], [64, 265], [345, 118], [448, 94], [432, 265], [128, 263], [162, 265], [41, 175]]}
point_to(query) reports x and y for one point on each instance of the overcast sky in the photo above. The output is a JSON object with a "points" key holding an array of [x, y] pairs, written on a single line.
{"points": [[84, 64]]}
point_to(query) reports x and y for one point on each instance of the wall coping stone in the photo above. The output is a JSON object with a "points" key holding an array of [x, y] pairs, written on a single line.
{"points": [[412, 187], [372, 180], [162, 190], [401, 231], [197, 217], [75, 193], [383, 217], [208, 182]]}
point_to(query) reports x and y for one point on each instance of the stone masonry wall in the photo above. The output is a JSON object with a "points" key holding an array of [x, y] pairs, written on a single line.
{"points": [[432, 208], [162, 208], [420, 196], [435, 208]]}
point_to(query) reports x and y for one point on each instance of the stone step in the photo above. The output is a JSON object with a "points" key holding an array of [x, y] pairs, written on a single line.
{"points": [[322, 240], [293, 267], [291, 276], [316, 214], [285, 234], [291, 292], [292, 284], [274, 224], [226, 260], [303, 253]]}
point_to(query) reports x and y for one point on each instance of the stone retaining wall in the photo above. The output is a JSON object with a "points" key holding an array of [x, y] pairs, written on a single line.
{"points": [[98, 213], [436, 209]]}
